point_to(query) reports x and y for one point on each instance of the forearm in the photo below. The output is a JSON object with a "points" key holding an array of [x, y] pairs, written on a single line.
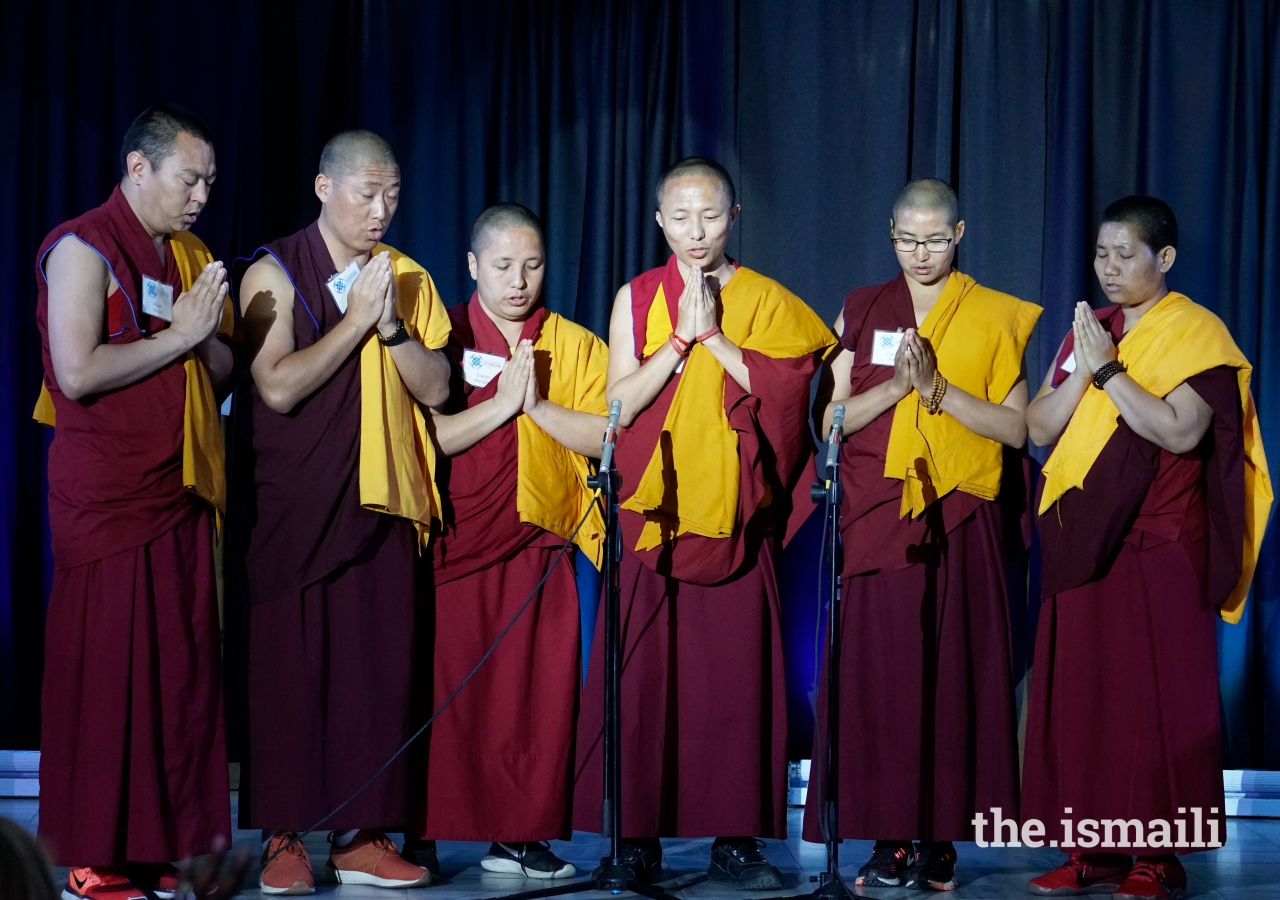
{"points": [[424, 372], [729, 355], [108, 367], [1151, 417], [580, 432], [1049, 414], [464, 430], [862, 409], [218, 359], [301, 373], [641, 387], [991, 420]]}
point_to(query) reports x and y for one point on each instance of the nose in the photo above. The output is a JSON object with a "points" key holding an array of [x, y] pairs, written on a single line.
{"points": [[517, 280], [921, 252], [696, 231], [379, 209], [1112, 267], [201, 192]]}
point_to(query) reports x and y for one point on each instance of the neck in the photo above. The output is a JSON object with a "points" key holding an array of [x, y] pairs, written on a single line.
{"points": [[341, 254], [509, 329], [1133, 313], [924, 296], [718, 273], [131, 197]]}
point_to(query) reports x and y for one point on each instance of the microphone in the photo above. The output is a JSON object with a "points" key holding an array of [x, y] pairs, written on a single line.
{"points": [[837, 434], [611, 435]]}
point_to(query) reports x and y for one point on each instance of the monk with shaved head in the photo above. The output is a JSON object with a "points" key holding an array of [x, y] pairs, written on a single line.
{"points": [[712, 363], [346, 333], [525, 411], [930, 375]]}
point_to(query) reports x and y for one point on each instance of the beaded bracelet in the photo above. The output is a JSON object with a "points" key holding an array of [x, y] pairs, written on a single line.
{"points": [[1106, 372], [939, 391]]}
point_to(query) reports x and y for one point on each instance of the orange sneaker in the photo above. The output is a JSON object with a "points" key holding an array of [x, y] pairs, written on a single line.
{"points": [[286, 868], [372, 859], [99, 884]]}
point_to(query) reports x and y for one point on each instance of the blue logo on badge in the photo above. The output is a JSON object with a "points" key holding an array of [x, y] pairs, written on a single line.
{"points": [[886, 341], [151, 289], [475, 362], [339, 285]]}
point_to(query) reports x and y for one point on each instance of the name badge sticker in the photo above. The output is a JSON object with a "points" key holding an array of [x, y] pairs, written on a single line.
{"points": [[157, 298], [478, 369], [884, 347], [1069, 364], [340, 285]]}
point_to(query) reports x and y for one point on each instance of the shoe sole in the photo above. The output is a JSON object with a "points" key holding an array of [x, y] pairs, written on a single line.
{"points": [[1175, 894], [68, 894], [1092, 890], [297, 889], [650, 876], [340, 876], [513, 867], [765, 881]]}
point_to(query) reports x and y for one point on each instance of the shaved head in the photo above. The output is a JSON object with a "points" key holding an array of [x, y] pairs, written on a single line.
{"points": [[698, 166], [1150, 217], [928, 194], [349, 151], [500, 217]]}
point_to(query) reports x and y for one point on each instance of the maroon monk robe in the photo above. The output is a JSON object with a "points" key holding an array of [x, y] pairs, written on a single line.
{"points": [[1123, 721], [133, 761], [928, 724], [331, 597], [501, 756], [704, 718]]}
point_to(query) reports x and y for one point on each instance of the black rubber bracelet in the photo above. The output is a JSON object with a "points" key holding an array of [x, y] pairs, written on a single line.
{"points": [[399, 336]]}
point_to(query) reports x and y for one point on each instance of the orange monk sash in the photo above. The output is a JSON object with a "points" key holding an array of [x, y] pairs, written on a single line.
{"points": [[397, 456], [690, 485], [979, 336], [203, 455], [551, 484], [1173, 341]]}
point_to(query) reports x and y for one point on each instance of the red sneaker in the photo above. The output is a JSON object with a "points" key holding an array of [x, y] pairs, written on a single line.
{"points": [[1083, 873], [372, 859], [286, 868], [1154, 878], [99, 884]]}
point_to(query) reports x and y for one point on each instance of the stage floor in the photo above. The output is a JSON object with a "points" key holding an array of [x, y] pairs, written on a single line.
{"points": [[1247, 868]]}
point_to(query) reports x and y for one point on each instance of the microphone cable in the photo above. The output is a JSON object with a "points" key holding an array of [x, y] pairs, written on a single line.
{"points": [[595, 499]]}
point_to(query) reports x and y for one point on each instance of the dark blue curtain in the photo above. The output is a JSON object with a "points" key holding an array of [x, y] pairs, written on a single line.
{"points": [[1039, 112]]}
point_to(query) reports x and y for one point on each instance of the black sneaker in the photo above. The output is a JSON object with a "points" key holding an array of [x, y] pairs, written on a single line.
{"points": [[934, 868], [423, 855], [739, 862], [643, 856], [532, 859], [888, 866]]}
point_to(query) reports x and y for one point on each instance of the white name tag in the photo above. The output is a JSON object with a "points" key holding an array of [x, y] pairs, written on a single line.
{"points": [[157, 299], [884, 347], [340, 285], [478, 369], [1069, 364]]}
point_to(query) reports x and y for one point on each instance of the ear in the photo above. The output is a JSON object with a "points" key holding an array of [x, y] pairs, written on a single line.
{"points": [[472, 264], [733, 213], [324, 186], [1167, 256], [657, 217], [136, 166], [959, 232], [891, 226]]}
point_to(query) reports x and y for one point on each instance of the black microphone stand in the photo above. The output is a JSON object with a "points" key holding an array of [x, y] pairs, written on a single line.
{"points": [[613, 876], [830, 885]]}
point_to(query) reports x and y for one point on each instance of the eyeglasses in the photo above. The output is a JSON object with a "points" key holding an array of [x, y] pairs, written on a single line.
{"points": [[933, 245]]}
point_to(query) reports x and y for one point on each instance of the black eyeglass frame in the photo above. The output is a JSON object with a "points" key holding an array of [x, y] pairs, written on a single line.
{"points": [[945, 242]]}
